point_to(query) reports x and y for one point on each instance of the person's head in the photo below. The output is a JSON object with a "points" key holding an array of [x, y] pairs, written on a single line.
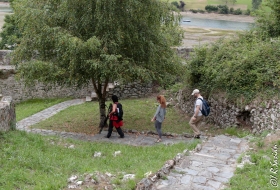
{"points": [[195, 93], [161, 100], [115, 98]]}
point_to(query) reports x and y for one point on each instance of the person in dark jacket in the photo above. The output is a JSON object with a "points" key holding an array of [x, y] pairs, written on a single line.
{"points": [[114, 120]]}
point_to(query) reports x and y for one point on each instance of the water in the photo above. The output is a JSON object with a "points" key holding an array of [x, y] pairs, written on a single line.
{"points": [[219, 24]]}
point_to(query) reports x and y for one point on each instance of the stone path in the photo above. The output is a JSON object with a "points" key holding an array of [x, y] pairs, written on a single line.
{"points": [[208, 168]]}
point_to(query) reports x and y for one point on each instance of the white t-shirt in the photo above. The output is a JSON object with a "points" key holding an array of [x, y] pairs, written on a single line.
{"points": [[198, 102]]}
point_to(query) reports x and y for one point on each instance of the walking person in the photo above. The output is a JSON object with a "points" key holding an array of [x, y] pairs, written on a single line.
{"points": [[197, 116], [159, 116], [115, 121]]}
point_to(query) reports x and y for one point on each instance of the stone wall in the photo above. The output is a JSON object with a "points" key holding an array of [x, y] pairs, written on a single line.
{"points": [[258, 115], [9, 86], [7, 114]]}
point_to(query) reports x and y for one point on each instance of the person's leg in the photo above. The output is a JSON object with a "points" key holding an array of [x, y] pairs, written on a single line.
{"points": [[110, 129], [194, 124], [119, 130], [158, 128]]}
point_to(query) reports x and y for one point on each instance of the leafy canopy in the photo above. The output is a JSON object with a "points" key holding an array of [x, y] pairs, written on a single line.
{"points": [[72, 42]]}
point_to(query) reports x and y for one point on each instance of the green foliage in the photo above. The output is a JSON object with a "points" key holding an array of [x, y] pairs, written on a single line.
{"points": [[211, 8], [269, 22], [10, 35], [77, 41], [223, 9], [237, 12], [247, 12], [256, 4], [176, 4], [242, 67]]}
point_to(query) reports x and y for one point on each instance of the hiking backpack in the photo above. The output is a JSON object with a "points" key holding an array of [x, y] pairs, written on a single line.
{"points": [[205, 107], [119, 111]]}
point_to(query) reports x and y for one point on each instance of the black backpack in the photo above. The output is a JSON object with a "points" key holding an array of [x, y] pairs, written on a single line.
{"points": [[205, 107], [119, 111]]}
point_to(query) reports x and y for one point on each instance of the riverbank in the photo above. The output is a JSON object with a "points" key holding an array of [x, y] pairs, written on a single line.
{"points": [[215, 16]]}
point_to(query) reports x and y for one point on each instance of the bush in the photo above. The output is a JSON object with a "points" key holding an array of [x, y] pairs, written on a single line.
{"points": [[237, 12], [211, 8], [242, 67], [231, 10], [247, 12], [200, 11], [176, 4], [223, 9], [193, 10]]}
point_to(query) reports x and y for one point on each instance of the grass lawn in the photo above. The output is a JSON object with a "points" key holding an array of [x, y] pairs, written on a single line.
{"points": [[84, 118], [30, 107], [31, 161]]}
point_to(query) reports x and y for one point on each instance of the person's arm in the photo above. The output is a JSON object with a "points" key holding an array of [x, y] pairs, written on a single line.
{"points": [[154, 118], [113, 109], [196, 111]]}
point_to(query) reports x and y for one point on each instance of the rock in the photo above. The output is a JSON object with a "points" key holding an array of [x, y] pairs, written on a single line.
{"points": [[117, 153], [97, 154], [72, 179], [79, 182], [198, 148], [128, 177]]}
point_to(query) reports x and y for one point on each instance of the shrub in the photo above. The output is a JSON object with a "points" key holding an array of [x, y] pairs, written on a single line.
{"points": [[247, 12], [211, 8], [231, 10], [200, 11], [176, 4], [223, 9], [193, 10], [242, 67], [237, 12]]}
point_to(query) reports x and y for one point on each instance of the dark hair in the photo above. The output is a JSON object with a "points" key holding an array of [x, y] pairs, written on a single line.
{"points": [[115, 98]]}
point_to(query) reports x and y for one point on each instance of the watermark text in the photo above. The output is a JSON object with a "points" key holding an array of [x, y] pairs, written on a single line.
{"points": [[274, 167]]}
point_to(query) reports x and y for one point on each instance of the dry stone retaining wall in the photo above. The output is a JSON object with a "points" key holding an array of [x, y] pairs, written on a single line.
{"points": [[9, 86], [258, 115], [7, 114]]}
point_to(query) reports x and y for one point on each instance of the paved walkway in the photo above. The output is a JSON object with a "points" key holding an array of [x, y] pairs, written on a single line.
{"points": [[208, 168]]}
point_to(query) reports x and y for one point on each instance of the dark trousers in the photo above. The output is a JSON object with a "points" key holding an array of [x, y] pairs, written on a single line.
{"points": [[110, 130]]}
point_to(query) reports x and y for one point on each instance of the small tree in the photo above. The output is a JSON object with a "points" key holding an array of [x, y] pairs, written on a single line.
{"points": [[256, 4], [76, 42]]}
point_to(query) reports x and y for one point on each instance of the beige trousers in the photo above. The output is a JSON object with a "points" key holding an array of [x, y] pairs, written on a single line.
{"points": [[194, 124]]}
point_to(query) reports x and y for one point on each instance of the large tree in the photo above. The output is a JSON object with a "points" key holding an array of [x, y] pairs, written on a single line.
{"points": [[74, 42]]}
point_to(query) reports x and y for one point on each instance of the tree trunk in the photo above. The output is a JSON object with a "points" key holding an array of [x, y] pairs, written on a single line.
{"points": [[101, 93], [102, 112]]}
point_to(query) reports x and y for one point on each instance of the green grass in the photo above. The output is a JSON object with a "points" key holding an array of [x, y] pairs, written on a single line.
{"points": [[31, 161], [84, 118], [32, 106]]}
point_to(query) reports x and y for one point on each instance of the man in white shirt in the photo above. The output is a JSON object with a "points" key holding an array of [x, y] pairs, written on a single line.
{"points": [[197, 117]]}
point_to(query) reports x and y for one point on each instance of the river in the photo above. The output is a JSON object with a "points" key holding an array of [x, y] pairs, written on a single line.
{"points": [[219, 24]]}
